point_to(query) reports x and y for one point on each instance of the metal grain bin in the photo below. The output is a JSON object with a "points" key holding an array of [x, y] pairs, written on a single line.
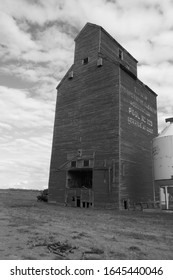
{"points": [[163, 164]]}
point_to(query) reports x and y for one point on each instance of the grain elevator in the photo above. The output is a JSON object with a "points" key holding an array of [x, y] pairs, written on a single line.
{"points": [[105, 121]]}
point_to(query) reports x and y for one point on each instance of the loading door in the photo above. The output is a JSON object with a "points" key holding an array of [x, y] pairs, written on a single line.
{"points": [[79, 191]]}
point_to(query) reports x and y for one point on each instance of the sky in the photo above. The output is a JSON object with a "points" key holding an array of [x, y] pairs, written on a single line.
{"points": [[37, 49]]}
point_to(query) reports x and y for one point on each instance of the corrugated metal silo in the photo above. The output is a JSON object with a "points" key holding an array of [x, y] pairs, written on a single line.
{"points": [[163, 164]]}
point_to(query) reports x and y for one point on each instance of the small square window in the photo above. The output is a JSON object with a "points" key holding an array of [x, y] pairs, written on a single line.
{"points": [[85, 61], [120, 54], [99, 62], [70, 75], [73, 163], [86, 163]]}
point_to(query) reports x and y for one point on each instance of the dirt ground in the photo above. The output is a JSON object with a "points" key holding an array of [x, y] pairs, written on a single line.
{"points": [[37, 231]]}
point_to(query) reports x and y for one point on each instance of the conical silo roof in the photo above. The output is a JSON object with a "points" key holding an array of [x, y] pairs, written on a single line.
{"points": [[168, 130]]}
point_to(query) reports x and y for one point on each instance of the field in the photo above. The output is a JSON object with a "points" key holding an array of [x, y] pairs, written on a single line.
{"points": [[37, 230]]}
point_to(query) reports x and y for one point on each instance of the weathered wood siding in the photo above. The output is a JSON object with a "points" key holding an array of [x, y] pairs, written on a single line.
{"points": [[86, 115], [57, 186], [87, 119], [110, 48], [110, 116], [138, 127], [86, 45]]}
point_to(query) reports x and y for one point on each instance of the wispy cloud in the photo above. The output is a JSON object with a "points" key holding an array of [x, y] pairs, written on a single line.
{"points": [[18, 109], [26, 129], [37, 48], [14, 41]]}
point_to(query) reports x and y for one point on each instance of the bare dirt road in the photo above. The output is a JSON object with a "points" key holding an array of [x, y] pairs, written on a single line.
{"points": [[37, 230]]}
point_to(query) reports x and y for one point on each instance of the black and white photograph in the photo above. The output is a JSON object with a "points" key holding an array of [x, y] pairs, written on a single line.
{"points": [[86, 131]]}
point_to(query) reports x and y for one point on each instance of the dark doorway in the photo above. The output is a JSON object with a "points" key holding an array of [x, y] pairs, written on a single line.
{"points": [[80, 178], [126, 204], [79, 190], [78, 201]]}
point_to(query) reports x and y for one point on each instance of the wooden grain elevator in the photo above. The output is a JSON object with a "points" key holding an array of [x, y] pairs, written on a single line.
{"points": [[105, 121]]}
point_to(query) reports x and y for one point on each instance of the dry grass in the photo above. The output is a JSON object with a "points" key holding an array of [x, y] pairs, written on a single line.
{"points": [[29, 228]]}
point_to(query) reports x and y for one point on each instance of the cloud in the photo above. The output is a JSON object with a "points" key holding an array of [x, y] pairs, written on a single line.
{"points": [[29, 10], [13, 40], [25, 160], [31, 73], [36, 50], [41, 12], [27, 125], [19, 110], [160, 78], [4, 125], [164, 38], [26, 136], [158, 75]]}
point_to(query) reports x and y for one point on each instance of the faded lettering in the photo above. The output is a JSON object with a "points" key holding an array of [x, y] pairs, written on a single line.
{"points": [[132, 121], [139, 111], [141, 102]]}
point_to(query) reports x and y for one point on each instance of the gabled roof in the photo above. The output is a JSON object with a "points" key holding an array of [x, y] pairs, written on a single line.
{"points": [[85, 26], [101, 28]]}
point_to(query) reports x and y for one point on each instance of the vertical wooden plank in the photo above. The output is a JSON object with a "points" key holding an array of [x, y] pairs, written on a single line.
{"points": [[138, 128]]}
